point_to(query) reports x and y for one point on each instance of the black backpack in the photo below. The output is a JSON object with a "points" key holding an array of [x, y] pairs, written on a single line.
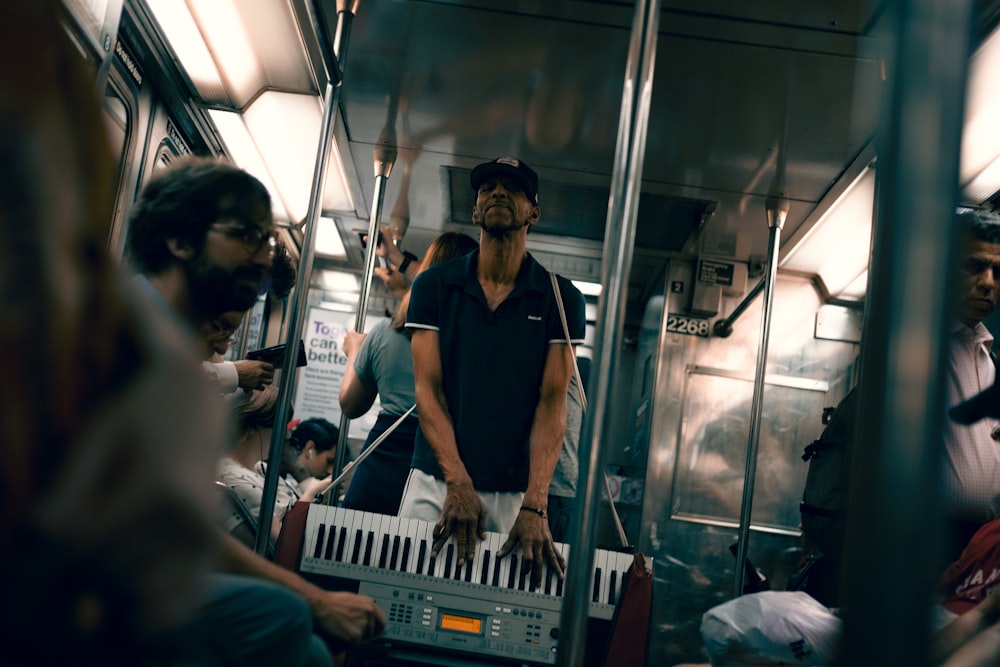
{"points": [[824, 503]]}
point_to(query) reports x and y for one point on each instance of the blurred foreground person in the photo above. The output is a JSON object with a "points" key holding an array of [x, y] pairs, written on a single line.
{"points": [[202, 237], [107, 433]]}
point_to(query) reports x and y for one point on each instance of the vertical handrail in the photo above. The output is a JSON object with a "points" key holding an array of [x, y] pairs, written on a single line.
{"points": [[299, 297], [384, 158], [894, 514], [777, 210], [623, 205]]}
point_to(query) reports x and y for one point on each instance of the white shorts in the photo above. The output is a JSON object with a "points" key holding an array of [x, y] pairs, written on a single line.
{"points": [[424, 496]]}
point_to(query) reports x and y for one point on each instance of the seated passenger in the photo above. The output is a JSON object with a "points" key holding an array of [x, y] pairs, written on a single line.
{"points": [[380, 364], [229, 376], [307, 459], [241, 468]]}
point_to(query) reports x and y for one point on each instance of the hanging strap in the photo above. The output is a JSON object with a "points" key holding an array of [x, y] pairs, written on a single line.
{"points": [[583, 402], [371, 448]]}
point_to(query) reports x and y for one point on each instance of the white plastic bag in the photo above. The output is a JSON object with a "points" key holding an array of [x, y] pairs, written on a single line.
{"points": [[771, 627]]}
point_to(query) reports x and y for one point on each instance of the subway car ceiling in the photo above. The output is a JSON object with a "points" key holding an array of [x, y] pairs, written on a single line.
{"points": [[749, 101]]}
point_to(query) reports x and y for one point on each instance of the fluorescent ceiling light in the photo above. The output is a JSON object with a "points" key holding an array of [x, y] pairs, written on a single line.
{"points": [[285, 127], [339, 281], [979, 173], [188, 43], [838, 246], [229, 43], [243, 150], [588, 289], [328, 241]]}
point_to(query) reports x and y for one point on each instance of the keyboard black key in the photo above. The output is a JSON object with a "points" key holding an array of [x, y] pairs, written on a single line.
{"points": [[486, 568], [404, 561], [341, 539], [328, 554], [458, 570], [356, 552], [469, 567], [496, 572], [559, 587], [394, 558], [368, 548], [383, 556], [549, 583], [431, 563], [597, 584], [512, 577], [449, 556], [522, 580], [319, 540], [612, 587], [421, 553]]}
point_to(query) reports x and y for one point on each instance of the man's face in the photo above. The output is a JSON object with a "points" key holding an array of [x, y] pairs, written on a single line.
{"points": [[218, 332], [229, 270], [502, 206], [317, 464], [980, 271]]}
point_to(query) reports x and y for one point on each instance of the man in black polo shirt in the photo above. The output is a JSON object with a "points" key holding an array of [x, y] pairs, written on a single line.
{"points": [[491, 368]]}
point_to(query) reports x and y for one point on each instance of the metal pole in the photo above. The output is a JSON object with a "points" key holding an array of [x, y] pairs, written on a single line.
{"points": [[299, 297], [623, 204], [892, 558], [385, 157], [777, 209], [724, 328]]}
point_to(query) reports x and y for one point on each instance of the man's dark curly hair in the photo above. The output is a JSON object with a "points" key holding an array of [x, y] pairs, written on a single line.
{"points": [[183, 201], [282, 274], [319, 430]]}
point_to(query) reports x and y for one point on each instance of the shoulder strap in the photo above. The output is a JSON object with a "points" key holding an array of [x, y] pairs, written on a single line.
{"points": [[583, 402], [569, 339]]}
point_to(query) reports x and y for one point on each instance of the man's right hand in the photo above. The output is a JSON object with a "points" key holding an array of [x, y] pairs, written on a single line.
{"points": [[464, 516], [347, 618], [254, 374]]}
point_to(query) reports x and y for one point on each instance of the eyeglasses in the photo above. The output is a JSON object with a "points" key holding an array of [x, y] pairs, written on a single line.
{"points": [[253, 237]]}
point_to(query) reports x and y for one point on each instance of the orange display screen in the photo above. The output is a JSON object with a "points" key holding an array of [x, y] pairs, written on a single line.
{"points": [[461, 623]]}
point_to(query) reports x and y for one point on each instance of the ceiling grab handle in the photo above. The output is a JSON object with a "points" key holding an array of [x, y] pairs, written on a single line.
{"points": [[777, 210], [299, 296], [623, 205], [384, 157], [724, 328]]}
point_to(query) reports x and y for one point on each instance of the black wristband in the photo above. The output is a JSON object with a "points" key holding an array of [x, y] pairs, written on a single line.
{"points": [[539, 512], [407, 258]]}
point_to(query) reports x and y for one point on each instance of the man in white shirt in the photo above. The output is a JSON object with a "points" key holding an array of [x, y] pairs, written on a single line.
{"points": [[972, 452]]}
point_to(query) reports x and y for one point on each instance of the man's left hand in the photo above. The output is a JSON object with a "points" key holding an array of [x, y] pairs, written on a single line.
{"points": [[532, 532]]}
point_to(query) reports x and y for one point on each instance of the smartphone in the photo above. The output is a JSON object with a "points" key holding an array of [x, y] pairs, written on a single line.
{"points": [[364, 245], [276, 355], [381, 261]]}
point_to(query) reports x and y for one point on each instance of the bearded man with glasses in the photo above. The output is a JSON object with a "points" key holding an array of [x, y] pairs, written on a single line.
{"points": [[202, 238]]}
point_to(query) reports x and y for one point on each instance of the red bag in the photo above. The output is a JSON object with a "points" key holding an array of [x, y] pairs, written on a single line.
{"points": [[630, 625], [288, 548]]}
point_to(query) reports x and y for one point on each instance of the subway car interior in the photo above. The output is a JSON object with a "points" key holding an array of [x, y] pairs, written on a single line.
{"points": [[743, 191]]}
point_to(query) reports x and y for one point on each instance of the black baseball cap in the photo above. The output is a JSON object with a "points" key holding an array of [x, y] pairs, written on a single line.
{"points": [[511, 167]]}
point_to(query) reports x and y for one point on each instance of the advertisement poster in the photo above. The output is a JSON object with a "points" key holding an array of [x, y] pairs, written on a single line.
{"points": [[318, 387]]}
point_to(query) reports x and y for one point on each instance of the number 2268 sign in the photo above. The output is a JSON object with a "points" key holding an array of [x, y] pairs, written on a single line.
{"points": [[689, 326]]}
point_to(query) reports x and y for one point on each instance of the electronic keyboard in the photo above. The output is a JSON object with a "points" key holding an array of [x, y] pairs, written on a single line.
{"points": [[487, 607]]}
